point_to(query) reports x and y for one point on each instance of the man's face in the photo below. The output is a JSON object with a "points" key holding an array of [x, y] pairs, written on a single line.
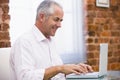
{"points": [[53, 22]]}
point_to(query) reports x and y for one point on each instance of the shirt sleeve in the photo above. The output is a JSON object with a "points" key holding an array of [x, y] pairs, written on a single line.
{"points": [[24, 64]]}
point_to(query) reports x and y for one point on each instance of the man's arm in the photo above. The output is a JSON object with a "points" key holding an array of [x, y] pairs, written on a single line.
{"points": [[66, 69]]}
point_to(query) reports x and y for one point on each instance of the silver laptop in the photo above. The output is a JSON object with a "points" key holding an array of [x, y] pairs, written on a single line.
{"points": [[102, 65]]}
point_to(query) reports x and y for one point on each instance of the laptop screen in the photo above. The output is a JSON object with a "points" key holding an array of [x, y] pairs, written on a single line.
{"points": [[103, 59]]}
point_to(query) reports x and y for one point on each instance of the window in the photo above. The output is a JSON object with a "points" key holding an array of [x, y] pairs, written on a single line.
{"points": [[69, 37]]}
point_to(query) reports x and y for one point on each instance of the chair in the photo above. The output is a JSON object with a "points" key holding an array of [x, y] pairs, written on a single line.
{"points": [[4, 63]]}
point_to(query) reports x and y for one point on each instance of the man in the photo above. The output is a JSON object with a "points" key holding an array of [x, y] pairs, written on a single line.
{"points": [[34, 57]]}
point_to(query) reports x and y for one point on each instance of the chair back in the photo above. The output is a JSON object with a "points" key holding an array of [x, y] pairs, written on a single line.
{"points": [[4, 63]]}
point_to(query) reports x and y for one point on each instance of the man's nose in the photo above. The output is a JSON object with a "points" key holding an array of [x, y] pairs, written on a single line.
{"points": [[59, 24]]}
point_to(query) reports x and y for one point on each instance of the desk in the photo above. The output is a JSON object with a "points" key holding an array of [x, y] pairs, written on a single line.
{"points": [[111, 75]]}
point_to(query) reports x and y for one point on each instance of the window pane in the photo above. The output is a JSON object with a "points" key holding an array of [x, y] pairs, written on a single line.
{"points": [[64, 35], [69, 4]]}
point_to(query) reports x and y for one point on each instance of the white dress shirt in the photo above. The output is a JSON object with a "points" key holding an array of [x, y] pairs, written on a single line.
{"points": [[31, 54]]}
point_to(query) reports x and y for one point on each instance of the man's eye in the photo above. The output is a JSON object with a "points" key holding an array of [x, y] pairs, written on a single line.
{"points": [[56, 19]]}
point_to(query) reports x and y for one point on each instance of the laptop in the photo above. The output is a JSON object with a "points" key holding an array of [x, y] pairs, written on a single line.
{"points": [[103, 59]]}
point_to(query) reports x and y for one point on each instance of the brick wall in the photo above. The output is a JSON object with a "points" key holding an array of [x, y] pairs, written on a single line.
{"points": [[4, 24], [103, 26]]}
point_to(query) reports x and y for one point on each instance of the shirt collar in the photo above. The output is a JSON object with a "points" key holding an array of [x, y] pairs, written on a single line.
{"points": [[38, 34]]}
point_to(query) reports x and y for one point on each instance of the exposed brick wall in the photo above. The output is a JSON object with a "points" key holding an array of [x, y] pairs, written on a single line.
{"points": [[4, 24], [103, 26]]}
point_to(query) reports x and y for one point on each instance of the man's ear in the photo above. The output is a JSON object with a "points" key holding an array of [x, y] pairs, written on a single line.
{"points": [[41, 16]]}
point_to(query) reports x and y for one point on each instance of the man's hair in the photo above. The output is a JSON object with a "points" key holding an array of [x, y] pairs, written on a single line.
{"points": [[47, 7]]}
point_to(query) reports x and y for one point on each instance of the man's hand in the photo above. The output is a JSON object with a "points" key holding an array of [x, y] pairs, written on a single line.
{"points": [[86, 67], [77, 69]]}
